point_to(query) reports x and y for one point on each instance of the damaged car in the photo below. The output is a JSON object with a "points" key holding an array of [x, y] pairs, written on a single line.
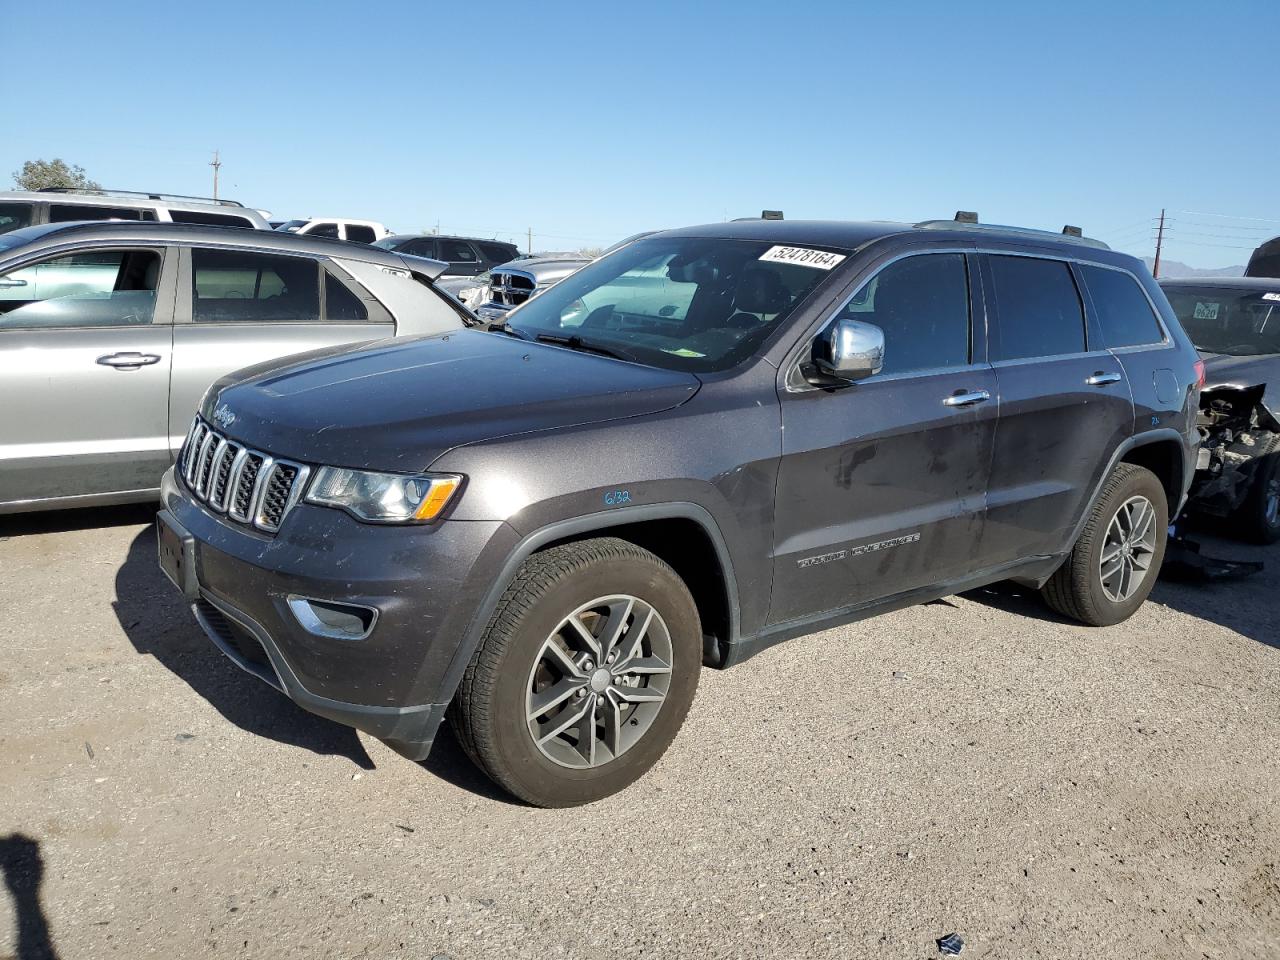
{"points": [[1235, 324]]}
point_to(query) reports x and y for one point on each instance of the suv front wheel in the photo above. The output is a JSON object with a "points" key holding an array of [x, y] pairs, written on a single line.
{"points": [[584, 675], [1114, 564]]}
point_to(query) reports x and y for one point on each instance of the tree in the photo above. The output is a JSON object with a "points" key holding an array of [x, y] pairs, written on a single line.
{"points": [[38, 174]]}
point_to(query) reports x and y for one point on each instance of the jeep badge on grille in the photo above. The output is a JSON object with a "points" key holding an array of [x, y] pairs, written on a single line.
{"points": [[223, 416]]}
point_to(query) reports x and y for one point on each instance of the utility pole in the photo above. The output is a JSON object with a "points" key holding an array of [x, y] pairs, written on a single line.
{"points": [[529, 249], [1155, 268], [215, 163]]}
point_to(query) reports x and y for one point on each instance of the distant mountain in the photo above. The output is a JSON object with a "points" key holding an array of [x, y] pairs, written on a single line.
{"points": [[1173, 270]]}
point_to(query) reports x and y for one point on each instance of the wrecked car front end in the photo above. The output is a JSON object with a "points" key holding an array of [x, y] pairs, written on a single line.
{"points": [[1238, 434]]}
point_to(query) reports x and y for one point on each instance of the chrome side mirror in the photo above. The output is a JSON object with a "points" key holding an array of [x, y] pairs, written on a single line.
{"points": [[855, 350]]}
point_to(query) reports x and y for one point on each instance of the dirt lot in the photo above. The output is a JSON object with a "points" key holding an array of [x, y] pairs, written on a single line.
{"points": [[974, 765]]}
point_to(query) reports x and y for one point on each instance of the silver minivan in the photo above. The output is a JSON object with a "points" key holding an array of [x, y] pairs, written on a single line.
{"points": [[110, 333]]}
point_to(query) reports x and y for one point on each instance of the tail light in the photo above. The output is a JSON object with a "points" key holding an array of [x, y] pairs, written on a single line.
{"points": [[1199, 374]]}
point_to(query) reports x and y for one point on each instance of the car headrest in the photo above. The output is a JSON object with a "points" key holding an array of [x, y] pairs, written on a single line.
{"points": [[760, 291], [687, 270]]}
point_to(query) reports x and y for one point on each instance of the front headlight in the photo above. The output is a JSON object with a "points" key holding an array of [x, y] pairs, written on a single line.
{"points": [[383, 497]]}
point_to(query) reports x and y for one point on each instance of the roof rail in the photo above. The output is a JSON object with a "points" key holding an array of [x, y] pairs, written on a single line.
{"points": [[139, 195], [968, 220]]}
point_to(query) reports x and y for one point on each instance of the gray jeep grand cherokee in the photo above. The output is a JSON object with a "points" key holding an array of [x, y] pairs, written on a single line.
{"points": [[710, 441]]}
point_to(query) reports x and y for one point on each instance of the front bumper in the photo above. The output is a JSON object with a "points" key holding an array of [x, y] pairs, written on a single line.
{"points": [[425, 582]]}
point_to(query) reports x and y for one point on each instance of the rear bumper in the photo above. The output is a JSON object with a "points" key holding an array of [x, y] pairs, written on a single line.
{"points": [[425, 584]]}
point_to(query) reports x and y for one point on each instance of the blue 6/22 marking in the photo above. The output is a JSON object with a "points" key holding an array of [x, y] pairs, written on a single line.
{"points": [[615, 497]]}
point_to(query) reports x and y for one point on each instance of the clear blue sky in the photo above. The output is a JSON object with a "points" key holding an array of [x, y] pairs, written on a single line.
{"points": [[591, 121]]}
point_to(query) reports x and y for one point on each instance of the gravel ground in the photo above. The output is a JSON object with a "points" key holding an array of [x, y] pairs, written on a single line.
{"points": [[974, 765]]}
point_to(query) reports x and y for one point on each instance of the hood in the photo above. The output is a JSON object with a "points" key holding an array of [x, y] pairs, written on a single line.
{"points": [[1219, 368], [398, 406], [543, 269]]}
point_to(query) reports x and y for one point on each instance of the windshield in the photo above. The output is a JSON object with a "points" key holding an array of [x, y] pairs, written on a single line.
{"points": [[390, 243], [292, 226], [1240, 323], [682, 303]]}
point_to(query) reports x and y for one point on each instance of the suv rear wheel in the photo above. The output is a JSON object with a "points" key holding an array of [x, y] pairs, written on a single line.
{"points": [[1114, 564], [584, 675]]}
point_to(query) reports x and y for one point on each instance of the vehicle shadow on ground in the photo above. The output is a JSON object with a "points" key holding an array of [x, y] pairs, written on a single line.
{"points": [[160, 624], [448, 762], [1244, 606], [23, 870], [61, 521]]}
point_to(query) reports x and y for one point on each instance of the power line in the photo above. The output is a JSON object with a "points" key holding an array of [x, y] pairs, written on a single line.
{"points": [[1227, 216]]}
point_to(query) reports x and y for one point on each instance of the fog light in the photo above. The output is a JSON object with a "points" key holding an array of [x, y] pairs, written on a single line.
{"points": [[339, 621]]}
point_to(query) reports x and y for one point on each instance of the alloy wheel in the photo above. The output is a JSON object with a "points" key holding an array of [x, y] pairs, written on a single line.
{"points": [[1127, 551], [599, 681]]}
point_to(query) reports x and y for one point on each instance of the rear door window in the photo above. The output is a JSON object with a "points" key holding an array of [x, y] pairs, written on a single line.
{"points": [[14, 216], [497, 253], [922, 305], [1040, 313], [233, 286], [359, 233], [64, 212], [1124, 313], [89, 288], [456, 251]]}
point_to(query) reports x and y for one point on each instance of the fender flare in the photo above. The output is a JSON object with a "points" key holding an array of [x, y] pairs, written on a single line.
{"points": [[1132, 443], [601, 523]]}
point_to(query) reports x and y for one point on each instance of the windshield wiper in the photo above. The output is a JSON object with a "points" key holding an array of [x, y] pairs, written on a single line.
{"points": [[502, 326], [575, 342]]}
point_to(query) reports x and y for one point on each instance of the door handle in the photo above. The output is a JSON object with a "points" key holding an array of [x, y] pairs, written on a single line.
{"points": [[1101, 379], [128, 360], [966, 399]]}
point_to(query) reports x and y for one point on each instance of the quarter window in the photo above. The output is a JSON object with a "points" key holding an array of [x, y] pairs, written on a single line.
{"points": [[1124, 312], [93, 288], [209, 219], [1040, 313], [340, 303], [922, 305], [233, 286]]}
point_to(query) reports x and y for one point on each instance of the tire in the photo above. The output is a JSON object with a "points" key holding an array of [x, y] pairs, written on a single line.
{"points": [[1078, 589], [634, 716], [1258, 519]]}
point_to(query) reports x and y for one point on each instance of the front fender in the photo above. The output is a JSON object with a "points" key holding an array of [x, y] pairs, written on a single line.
{"points": [[578, 528]]}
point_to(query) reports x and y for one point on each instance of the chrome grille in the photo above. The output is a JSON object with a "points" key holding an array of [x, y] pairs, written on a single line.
{"points": [[510, 289], [248, 486]]}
